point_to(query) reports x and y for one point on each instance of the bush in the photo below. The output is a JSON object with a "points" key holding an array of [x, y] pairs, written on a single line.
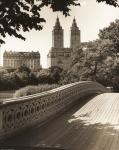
{"points": [[29, 90]]}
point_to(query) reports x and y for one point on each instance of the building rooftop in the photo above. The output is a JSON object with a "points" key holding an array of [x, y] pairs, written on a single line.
{"points": [[21, 54]]}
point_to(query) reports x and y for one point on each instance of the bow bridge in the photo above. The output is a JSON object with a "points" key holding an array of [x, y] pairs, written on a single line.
{"points": [[77, 116]]}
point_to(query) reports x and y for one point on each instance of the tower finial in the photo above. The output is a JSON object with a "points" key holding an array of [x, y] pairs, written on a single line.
{"points": [[57, 19], [57, 24], [74, 24]]}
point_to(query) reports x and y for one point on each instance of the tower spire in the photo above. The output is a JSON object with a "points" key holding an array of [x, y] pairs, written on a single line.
{"points": [[57, 35], [74, 24], [57, 23]]}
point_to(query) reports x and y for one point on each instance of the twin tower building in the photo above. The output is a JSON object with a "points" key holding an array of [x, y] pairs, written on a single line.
{"points": [[58, 55]]}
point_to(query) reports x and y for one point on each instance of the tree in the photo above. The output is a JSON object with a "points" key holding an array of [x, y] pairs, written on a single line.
{"points": [[111, 33], [23, 68], [92, 62], [115, 77], [24, 15], [9, 81], [97, 62], [55, 74]]}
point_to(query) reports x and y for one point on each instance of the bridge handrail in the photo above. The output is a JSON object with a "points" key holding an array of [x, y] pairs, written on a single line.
{"points": [[29, 97], [11, 100]]}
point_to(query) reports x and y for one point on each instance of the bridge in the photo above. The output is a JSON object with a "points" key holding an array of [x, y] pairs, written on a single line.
{"points": [[78, 116]]}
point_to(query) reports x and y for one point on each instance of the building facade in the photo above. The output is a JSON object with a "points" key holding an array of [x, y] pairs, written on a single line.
{"points": [[58, 55], [16, 59]]}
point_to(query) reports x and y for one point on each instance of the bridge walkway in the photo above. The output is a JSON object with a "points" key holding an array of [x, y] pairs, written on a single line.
{"points": [[90, 125]]}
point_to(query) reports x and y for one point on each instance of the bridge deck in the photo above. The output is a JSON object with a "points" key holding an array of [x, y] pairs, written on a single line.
{"points": [[90, 126]]}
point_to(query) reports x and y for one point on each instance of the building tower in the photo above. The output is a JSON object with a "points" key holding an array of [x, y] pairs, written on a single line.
{"points": [[75, 35], [57, 35]]}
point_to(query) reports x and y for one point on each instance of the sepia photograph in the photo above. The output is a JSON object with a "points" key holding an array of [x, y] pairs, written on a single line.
{"points": [[59, 74]]}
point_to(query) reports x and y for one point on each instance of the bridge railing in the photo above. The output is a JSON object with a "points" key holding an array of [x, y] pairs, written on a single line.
{"points": [[18, 113]]}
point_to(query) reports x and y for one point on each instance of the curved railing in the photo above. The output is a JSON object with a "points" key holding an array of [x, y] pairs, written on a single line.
{"points": [[22, 112]]}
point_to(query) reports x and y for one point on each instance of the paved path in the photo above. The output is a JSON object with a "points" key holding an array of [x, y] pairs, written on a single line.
{"points": [[91, 125]]}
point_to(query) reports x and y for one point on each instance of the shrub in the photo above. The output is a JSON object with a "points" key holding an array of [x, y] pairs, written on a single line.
{"points": [[29, 90]]}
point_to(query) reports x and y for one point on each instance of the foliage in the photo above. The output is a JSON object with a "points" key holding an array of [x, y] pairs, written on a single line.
{"points": [[111, 33], [110, 2], [9, 81], [29, 90], [24, 15], [14, 79], [44, 79], [23, 68], [23, 76], [54, 74], [95, 63], [17, 15]]}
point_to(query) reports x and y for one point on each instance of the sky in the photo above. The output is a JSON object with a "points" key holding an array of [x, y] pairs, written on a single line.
{"points": [[90, 16]]}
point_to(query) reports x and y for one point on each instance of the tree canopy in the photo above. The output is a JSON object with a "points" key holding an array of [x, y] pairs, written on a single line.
{"points": [[111, 33], [24, 15]]}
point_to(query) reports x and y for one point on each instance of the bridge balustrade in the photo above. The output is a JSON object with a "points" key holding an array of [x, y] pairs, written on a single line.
{"points": [[23, 112]]}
